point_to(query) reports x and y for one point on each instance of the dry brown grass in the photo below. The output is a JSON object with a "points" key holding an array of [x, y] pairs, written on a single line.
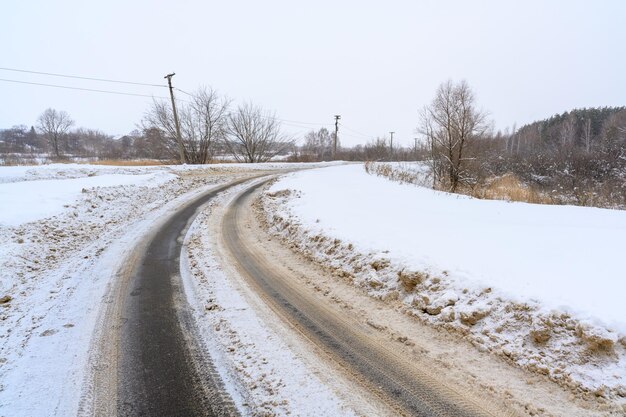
{"points": [[509, 188], [393, 173], [130, 163], [506, 187]]}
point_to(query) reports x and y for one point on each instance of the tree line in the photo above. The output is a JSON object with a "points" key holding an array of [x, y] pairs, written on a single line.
{"points": [[209, 128], [579, 154], [578, 157]]}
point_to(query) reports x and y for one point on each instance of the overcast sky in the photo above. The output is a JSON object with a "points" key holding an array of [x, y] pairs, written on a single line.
{"points": [[374, 62]]}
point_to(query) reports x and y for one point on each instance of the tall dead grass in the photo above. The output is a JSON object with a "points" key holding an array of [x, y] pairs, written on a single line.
{"points": [[392, 173], [509, 188], [506, 187], [130, 163]]}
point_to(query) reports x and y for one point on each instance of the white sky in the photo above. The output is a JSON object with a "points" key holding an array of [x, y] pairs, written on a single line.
{"points": [[374, 62]]}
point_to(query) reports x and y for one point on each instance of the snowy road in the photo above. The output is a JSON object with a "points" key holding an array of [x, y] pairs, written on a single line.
{"points": [[162, 370], [353, 347], [171, 296]]}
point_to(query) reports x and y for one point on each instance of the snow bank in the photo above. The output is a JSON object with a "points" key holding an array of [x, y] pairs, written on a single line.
{"points": [[563, 256], [542, 285], [60, 171], [65, 171], [56, 272], [27, 201], [262, 373]]}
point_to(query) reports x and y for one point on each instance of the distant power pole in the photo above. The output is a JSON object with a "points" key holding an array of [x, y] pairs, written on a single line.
{"points": [[337, 117], [179, 138], [415, 148], [391, 146]]}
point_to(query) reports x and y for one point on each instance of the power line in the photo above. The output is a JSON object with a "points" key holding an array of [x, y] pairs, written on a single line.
{"points": [[80, 78], [304, 123], [81, 89], [356, 131], [292, 123], [184, 92], [296, 126], [354, 136]]}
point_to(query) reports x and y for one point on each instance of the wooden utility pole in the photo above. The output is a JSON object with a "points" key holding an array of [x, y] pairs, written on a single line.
{"points": [[179, 138], [415, 148], [391, 146], [337, 117]]}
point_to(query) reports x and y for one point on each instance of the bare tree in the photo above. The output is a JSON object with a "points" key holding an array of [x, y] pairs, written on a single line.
{"points": [[54, 125], [450, 123], [568, 132], [587, 135], [202, 123], [255, 135], [319, 144], [376, 149]]}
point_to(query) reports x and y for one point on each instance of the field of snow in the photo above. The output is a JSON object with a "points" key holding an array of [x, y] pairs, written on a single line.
{"points": [[542, 285], [27, 201]]}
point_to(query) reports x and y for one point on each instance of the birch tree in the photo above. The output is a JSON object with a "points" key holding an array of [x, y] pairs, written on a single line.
{"points": [[450, 123]]}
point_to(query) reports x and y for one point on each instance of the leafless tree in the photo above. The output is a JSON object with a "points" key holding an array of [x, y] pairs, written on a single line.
{"points": [[54, 125], [587, 135], [319, 144], [255, 135], [450, 123], [376, 149], [202, 124], [568, 132]]}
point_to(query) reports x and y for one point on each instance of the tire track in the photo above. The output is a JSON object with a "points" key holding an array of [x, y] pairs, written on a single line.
{"points": [[402, 386], [158, 366]]}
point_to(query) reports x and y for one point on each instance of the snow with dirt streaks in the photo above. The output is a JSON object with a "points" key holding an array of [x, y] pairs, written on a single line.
{"points": [[261, 372]]}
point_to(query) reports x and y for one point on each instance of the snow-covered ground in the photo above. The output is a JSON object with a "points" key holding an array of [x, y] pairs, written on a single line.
{"points": [[542, 285], [62, 243], [65, 230], [263, 375]]}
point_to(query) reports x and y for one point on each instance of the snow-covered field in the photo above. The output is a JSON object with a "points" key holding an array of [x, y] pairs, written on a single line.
{"points": [[542, 285]]}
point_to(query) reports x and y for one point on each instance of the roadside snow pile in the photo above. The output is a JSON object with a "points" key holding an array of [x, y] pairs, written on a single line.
{"points": [[54, 273], [540, 285], [66, 171], [27, 201], [263, 375]]}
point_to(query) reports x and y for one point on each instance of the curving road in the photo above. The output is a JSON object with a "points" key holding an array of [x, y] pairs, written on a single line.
{"points": [[162, 370], [374, 364], [159, 366]]}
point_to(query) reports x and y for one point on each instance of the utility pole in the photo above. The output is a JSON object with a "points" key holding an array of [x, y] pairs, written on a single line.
{"points": [[179, 139], [391, 146], [415, 148], [337, 117]]}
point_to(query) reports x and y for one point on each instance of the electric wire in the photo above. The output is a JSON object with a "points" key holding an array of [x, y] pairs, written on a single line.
{"points": [[287, 122], [182, 91], [356, 131], [82, 89], [80, 77]]}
